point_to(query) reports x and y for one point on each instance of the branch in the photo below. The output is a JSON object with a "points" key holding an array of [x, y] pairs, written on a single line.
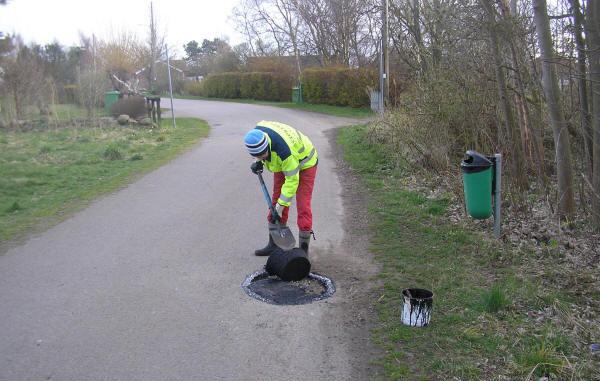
{"points": [[127, 85], [558, 17]]}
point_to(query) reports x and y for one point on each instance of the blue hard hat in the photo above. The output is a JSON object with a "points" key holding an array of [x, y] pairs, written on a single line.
{"points": [[256, 142]]}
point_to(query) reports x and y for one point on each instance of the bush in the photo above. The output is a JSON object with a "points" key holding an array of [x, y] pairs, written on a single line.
{"points": [[266, 86], [437, 119], [413, 141], [338, 86], [193, 88], [133, 106], [222, 85], [254, 85], [250, 86], [71, 93], [334, 86]]}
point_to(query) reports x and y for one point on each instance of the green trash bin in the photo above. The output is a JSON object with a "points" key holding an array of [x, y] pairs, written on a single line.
{"points": [[297, 94], [110, 97], [478, 176]]}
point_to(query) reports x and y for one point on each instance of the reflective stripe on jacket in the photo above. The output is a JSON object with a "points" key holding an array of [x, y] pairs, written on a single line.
{"points": [[291, 152]]}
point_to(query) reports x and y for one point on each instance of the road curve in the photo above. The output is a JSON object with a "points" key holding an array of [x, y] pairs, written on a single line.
{"points": [[144, 284]]}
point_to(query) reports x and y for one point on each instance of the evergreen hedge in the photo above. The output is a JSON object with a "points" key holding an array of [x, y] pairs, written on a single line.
{"points": [[254, 85], [338, 86], [332, 86], [222, 85], [193, 88]]}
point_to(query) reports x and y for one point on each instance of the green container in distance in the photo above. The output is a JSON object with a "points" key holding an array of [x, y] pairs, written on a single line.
{"points": [[297, 94], [110, 97], [477, 171]]}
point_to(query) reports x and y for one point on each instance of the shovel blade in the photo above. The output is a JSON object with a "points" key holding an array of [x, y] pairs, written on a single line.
{"points": [[283, 237]]}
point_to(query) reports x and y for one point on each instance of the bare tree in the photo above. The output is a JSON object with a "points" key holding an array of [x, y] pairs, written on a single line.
{"points": [[248, 25], [292, 26], [278, 19], [592, 28], [530, 137], [314, 13], [121, 57], [91, 87], [406, 34], [415, 28], [586, 122], [337, 31], [564, 172], [511, 129], [23, 77], [155, 50]]}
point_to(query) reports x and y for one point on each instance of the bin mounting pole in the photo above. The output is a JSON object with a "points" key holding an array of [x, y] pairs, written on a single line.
{"points": [[497, 194]]}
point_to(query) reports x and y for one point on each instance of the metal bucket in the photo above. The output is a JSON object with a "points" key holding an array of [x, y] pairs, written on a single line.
{"points": [[289, 265], [416, 311]]}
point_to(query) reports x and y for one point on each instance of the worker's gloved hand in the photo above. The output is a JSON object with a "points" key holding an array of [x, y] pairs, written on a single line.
{"points": [[257, 167], [279, 210], [275, 218]]}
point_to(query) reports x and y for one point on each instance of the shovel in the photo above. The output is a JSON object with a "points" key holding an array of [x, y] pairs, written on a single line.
{"points": [[282, 235]]}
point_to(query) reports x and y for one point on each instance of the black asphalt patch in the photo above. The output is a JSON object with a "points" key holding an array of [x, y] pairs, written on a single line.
{"points": [[273, 290]]}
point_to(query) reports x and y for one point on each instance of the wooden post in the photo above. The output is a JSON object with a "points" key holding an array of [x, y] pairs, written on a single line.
{"points": [[153, 110], [158, 110]]}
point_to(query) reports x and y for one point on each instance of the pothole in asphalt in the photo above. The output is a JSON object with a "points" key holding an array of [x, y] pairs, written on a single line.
{"points": [[271, 289]]}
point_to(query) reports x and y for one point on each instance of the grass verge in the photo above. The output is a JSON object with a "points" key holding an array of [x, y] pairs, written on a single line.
{"points": [[493, 318], [47, 174], [65, 112], [349, 112]]}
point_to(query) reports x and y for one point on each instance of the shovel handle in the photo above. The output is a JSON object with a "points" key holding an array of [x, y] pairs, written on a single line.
{"points": [[285, 238], [267, 197]]}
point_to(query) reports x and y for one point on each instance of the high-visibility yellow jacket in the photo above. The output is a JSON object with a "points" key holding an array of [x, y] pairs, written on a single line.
{"points": [[290, 152]]}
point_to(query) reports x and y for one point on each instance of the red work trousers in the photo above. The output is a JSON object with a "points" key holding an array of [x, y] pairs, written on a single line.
{"points": [[303, 197]]}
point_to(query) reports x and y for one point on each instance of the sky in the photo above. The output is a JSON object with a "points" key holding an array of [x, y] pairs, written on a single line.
{"points": [[180, 21]]}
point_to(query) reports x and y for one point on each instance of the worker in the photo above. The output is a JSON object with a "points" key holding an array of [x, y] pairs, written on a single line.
{"points": [[293, 159]]}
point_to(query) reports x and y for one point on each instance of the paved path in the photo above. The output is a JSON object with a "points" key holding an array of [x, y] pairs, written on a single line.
{"points": [[144, 284]]}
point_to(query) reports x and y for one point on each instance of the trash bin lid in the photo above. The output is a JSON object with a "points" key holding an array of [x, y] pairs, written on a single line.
{"points": [[474, 162]]}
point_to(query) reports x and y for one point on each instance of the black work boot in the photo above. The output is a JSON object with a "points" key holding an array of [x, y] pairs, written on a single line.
{"points": [[267, 250], [305, 239]]}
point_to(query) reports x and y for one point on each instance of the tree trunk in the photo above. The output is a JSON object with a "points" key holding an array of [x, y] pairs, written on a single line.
{"points": [[285, 8], [416, 29], [436, 52], [514, 136], [592, 27], [17, 99], [151, 69], [586, 123], [527, 130], [386, 52], [564, 172]]}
